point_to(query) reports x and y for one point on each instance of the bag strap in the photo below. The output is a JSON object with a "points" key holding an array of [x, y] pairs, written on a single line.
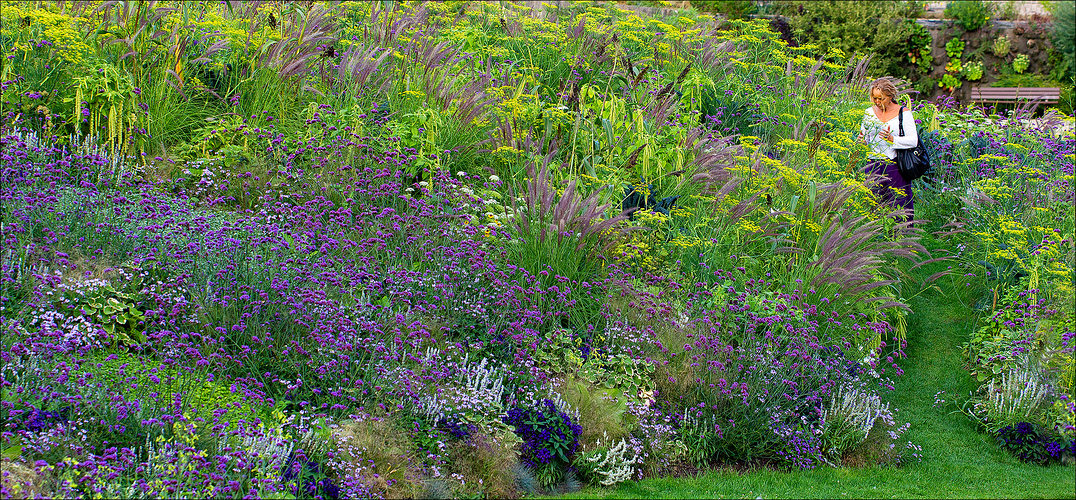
{"points": [[900, 121]]}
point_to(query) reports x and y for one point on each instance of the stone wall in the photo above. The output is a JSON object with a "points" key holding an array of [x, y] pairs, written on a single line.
{"points": [[1025, 37]]}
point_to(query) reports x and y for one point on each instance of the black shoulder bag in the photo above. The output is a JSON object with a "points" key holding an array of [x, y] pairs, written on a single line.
{"points": [[913, 162]]}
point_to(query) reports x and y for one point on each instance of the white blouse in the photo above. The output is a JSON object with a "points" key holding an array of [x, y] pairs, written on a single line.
{"points": [[880, 148]]}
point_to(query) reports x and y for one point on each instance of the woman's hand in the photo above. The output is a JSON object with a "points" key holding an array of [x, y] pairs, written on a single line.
{"points": [[886, 135]]}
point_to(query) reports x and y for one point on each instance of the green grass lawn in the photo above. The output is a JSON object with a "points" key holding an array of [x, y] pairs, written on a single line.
{"points": [[958, 460]]}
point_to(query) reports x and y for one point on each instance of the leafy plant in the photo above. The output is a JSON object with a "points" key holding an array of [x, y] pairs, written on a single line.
{"points": [[550, 439], [972, 71], [849, 418], [1001, 45], [949, 82], [1064, 34], [731, 9], [608, 464], [968, 14], [1029, 443], [954, 48], [920, 46], [1020, 63]]}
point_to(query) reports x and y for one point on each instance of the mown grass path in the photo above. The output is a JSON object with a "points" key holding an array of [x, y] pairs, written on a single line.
{"points": [[958, 460]]}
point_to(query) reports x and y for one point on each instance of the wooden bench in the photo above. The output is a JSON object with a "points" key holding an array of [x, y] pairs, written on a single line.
{"points": [[1012, 95]]}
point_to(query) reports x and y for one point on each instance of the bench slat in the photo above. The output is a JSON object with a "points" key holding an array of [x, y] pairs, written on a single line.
{"points": [[1013, 94]]}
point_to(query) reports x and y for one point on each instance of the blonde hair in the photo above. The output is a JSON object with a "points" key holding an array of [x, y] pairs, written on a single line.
{"points": [[885, 85]]}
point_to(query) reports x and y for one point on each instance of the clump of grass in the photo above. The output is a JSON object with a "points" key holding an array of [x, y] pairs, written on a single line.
{"points": [[381, 453], [601, 411], [19, 480], [487, 463]]}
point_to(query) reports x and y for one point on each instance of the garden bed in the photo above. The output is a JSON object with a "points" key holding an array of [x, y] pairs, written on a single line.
{"points": [[452, 249]]}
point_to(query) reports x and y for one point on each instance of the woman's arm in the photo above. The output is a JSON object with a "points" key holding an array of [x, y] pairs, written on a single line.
{"points": [[863, 126], [911, 134]]}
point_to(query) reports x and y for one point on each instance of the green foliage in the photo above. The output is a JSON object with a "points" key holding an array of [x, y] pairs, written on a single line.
{"points": [[618, 371], [1004, 10], [990, 347], [920, 43], [563, 236], [731, 9], [487, 462], [383, 450], [1001, 46], [897, 42], [1064, 35], [116, 311], [121, 371], [854, 28], [601, 411], [968, 14], [972, 71], [703, 438], [949, 82], [954, 48], [1020, 63], [1022, 80], [558, 353], [880, 28], [1028, 442], [913, 9]]}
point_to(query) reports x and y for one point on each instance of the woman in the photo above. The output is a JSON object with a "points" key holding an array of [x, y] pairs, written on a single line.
{"points": [[880, 130]]}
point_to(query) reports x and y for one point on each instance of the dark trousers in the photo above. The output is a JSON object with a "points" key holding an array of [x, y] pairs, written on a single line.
{"points": [[887, 190]]}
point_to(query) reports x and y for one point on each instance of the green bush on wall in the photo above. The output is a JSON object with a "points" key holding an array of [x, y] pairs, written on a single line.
{"points": [[969, 15], [731, 9]]}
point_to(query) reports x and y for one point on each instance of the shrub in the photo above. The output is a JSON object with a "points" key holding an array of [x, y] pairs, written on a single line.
{"points": [[851, 27], [968, 14], [731, 9], [609, 463], [1031, 444], [550, 439], [1020, 63], [1064, 35], [972, 71]]}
